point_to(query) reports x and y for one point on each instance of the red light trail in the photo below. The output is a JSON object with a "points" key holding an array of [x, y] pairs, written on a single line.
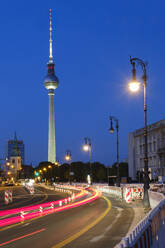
{"points": [[12, 220], [21, 237]]}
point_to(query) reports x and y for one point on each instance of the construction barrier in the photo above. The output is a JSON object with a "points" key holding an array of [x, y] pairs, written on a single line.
{"points": [[128, 195], [132, 193], [127, 192], [8, 197], [31, 190], [115, 191]]}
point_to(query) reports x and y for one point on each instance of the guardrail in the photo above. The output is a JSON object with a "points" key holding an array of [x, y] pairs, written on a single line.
{"points": [[149, 232], [116, 191]]}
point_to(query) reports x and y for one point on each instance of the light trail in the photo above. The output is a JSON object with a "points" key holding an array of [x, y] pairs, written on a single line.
{"points": [[21, 237], [37, 206], [28, 216]]}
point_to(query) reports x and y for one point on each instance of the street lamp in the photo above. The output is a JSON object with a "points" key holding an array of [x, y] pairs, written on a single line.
{"points": [[87, 147], [111, 130], [68, 157], [136, 86]]}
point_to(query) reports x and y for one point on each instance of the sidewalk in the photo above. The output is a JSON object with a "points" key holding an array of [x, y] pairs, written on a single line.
{"points": [[138, 213]]}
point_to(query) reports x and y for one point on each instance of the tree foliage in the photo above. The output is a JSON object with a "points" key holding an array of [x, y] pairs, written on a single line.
{"points": [[80, 171]]}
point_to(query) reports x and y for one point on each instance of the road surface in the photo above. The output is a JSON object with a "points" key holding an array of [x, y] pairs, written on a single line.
{"points": [[98, 224], [21, 196]]}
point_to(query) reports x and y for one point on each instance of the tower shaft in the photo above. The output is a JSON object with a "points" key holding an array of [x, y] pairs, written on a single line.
{"points": [[51, 138], [51, 83]]}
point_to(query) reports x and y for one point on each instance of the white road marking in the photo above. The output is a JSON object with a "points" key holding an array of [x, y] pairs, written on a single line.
{"points": [[101, 236], [26, 224]]}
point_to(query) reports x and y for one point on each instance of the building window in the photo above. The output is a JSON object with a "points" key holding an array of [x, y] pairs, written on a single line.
{"points": [[158, 143], [140, 149], [13, 161], [151, 161], [143, 148]]}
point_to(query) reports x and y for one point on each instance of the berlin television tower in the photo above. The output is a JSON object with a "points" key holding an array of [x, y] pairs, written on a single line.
{"points": [[51, 83]]}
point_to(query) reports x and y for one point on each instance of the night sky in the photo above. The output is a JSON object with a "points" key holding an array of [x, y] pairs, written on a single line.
{"points": [[92, 43]]}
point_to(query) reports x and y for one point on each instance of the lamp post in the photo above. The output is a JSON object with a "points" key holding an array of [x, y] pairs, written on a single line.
{"points": [[87, 147], [68, 157], [134, 86], [111, 130]]}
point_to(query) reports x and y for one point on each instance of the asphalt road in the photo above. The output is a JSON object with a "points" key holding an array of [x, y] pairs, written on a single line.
{"points": [[21, 196], [98, 224]]}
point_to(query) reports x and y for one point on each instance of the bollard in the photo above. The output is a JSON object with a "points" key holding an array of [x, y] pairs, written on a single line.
{"points": [[22, 215], [65, 201], [41, 209], [31, 190], [52, 205], [6, 197], [10, 196], [60, 203]]}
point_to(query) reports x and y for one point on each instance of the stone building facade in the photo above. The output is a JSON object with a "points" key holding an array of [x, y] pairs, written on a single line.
{"points": [[156, 150]]}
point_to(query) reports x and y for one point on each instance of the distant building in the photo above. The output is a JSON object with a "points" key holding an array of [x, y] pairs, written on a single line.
{"points": [[16, 148], [156, 150]]}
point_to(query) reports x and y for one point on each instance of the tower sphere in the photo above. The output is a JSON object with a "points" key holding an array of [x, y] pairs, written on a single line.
{"points": [[51, 82]]}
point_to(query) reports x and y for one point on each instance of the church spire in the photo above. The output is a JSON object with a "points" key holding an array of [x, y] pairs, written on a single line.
{"points": [[15, 136], [50, 41]]}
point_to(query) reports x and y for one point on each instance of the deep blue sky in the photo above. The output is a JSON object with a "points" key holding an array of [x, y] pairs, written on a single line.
{"points": [[92, 44]]}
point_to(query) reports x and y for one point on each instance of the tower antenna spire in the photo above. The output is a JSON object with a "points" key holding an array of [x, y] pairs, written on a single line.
{"points": [[50, 41]]}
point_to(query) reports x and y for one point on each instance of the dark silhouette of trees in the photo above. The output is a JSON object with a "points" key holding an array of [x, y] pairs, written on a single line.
{"points": [[80, 171]]}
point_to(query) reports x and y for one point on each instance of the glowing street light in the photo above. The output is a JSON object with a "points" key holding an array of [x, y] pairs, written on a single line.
{"points": [[68, 157], [44, 169], [134, 86], [140, 62], [87, 147]]}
